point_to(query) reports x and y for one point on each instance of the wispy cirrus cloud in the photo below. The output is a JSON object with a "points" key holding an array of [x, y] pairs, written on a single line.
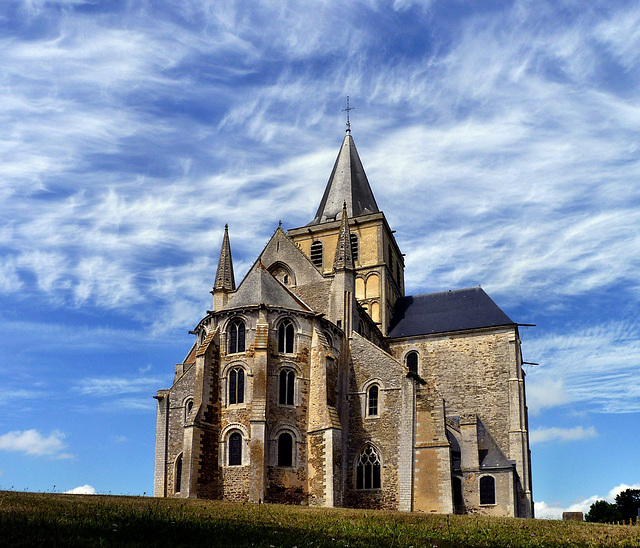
{"points": [[596, 367], [116, 386]]}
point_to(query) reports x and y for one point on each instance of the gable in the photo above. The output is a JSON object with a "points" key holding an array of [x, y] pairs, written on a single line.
{"points": [[280, 250]]}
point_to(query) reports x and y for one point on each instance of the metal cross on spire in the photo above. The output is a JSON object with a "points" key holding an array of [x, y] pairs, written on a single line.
{"points": [[347, 111]]}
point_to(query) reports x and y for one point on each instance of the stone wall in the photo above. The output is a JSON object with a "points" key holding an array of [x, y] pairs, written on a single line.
{"points": [[471, 371], [371, 365]]}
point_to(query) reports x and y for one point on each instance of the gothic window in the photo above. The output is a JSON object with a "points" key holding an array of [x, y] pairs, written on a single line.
{"points": [[203, 336], [178, 474], [236, 337], [372, 400], [354, 246], [368, 469], [390, 259], [235, 449], [236, 385], [287, 384], [412, 362], [285, 337], [316, 253], [285, 449], [487, 490]]}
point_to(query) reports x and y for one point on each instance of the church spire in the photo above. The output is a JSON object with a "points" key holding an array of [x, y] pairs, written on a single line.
{"points": [[348, 183], [344, 257], [224, 276]]}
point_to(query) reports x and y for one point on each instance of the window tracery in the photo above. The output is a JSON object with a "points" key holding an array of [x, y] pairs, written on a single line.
{"points": [[368, 469]]}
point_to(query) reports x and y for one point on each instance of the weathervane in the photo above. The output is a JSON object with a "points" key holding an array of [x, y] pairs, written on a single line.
{"points": [[347, 111]]}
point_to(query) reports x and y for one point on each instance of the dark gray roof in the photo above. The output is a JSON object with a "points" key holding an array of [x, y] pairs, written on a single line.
{"points": [[260, 287], [348, 183], [445, 311]]}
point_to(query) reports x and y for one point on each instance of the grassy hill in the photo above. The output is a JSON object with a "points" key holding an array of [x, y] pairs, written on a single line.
{"points": [[42, 519]]}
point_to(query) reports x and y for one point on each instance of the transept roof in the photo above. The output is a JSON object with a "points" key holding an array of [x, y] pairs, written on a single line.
{"points": [[446, 311]]}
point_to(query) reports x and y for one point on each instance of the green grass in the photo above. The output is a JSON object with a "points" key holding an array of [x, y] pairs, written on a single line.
{"points": [[39, 519]]}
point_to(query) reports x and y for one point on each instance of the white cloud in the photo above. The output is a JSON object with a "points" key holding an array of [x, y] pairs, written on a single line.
{"points": [[546, 393], [542, 435], [31, 442], [82, 490], [554, 511]]}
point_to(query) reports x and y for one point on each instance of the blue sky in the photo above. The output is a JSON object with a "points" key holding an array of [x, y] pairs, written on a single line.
{"points": [[501, 140]]}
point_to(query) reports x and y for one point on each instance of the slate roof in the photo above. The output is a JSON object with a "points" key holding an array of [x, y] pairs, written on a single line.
{"points": [[445, 311], [348, 183], [260, 287]]}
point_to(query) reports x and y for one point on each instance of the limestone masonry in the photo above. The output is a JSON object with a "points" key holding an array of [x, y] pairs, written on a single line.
{"points": [[317, 381]]}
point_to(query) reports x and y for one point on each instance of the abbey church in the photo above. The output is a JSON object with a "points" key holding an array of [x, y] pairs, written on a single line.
{"points": [[316, 380]]}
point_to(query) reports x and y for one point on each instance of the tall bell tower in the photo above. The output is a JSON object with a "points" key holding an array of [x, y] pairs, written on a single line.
{"points": [[378, 262]]}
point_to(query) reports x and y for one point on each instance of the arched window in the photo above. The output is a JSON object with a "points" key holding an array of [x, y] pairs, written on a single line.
{"points": [[354, 246], [235, 449], [487, 490], [188, 407], [412, 362], [316, 253], [285, 449], [287, 384], [368, 469], [178, 476], [285, 337], [203, 336], [390, 259], [372, 400], [236, 337], [236, 385]]}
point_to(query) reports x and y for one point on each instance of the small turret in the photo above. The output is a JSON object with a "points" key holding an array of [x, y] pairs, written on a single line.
{"points": [[342, 308], [343, 258], [225, 282]]}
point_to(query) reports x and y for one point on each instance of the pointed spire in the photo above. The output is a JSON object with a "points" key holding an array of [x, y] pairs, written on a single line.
{"points": [[344, 257], [348, 183], [224, 276]]}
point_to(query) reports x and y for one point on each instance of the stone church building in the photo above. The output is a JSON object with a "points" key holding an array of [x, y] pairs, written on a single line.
{"points": [[317, 381]]}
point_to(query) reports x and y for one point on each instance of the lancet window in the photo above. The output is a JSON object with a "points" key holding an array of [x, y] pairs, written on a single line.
{"points": [[236, 337], [285, 337], [235, 449], [236, 386], [287, 386], [372, 400]]}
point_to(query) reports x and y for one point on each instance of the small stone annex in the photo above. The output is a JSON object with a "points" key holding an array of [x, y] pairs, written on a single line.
{"points": [[317, 381]]}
